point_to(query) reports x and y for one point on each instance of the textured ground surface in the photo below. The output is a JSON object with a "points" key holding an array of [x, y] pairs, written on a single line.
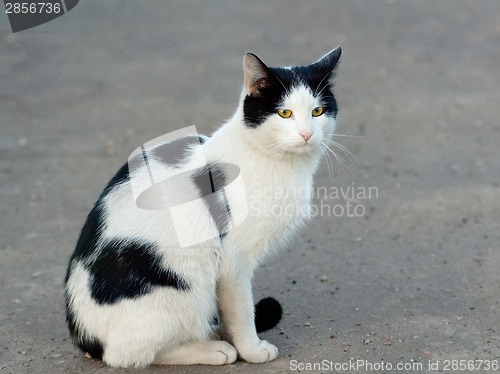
{"points": [[415, 279]]}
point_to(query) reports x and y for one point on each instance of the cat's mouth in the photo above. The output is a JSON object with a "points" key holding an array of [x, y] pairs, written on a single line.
{"points": [[304, 147]]}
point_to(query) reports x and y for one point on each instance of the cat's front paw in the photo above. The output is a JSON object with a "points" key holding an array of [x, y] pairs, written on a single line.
{"points": [[262, 352]]}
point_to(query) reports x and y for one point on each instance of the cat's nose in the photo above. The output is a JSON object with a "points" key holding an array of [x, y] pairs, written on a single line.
{"points": [[306, 135]]}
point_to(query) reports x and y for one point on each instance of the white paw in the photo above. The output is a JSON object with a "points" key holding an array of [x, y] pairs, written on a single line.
{"points": [[262, 352], [223, 353]]}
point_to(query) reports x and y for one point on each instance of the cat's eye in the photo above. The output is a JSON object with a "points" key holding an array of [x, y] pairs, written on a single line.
{"points": [[285, 113], [316, 112]]}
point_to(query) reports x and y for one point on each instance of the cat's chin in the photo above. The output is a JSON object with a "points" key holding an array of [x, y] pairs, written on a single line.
{"points": [[306, 148]]}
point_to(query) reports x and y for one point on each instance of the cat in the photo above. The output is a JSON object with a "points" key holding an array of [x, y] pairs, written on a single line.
{"points": [[135, 296]]}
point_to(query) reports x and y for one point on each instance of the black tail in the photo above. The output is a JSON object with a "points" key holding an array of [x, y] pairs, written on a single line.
{"points": [[268, 313]]}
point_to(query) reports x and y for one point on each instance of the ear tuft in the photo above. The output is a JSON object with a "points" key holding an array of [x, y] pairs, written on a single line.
{"points": [[256, 74], [328, 62]]}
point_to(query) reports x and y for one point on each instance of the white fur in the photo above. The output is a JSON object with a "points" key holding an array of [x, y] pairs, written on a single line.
{"points": [[172, 326]]}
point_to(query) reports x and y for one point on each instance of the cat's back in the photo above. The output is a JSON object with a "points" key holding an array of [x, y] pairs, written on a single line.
{"points": [[134, 220]]}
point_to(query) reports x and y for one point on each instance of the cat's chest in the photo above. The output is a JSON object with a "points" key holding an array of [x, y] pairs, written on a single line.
{"points": [[268, 200], [275, 209], [279, 202]]}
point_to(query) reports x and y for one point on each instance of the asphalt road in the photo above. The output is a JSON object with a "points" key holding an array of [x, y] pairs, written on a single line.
{"points": [[412, 280]]}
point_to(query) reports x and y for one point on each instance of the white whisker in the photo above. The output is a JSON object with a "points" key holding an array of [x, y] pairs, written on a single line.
{"points": [[346, 135], [340, 160], [328, 164], [347, 152], [325, 148], [349, 155]]}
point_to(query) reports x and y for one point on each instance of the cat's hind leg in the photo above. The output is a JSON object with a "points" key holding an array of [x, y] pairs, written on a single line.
{"points": [[209, 352]]}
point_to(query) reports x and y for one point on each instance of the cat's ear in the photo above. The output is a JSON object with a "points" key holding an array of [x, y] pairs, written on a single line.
{"points": [[328, 63], [256, 74]]}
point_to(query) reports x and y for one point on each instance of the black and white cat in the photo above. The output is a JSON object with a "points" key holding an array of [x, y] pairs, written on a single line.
{"points": [[135, 296]]}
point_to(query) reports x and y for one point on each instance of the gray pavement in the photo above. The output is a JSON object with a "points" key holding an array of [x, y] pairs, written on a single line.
{"points": [[415, 279]]}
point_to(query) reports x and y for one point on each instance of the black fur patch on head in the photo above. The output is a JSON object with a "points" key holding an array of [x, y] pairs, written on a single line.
{"points": [[129, 270], [257, 107], [320, 84]]}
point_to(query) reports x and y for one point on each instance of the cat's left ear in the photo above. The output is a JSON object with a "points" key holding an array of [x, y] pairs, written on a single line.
{"points": [[328, 63], [257, 75]]}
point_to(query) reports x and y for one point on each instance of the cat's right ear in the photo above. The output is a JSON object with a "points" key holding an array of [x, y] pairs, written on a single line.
{"points": [[256, 74]]}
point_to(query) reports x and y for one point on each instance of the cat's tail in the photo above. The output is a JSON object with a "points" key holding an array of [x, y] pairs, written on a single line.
{"points": [[268, 313]]}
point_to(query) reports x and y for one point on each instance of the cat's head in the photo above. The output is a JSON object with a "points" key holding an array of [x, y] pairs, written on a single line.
{"points": [[289, 109]]}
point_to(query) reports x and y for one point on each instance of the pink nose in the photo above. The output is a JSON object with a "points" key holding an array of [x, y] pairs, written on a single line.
{"points": [[306, 135]]}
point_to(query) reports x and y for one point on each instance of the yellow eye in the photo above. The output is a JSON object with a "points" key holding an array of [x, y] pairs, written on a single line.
{"points": [[285, 113], [316, 112]]}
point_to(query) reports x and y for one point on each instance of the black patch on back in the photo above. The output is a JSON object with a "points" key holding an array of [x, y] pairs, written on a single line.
{"points": [[85, 247], [211, 181], [120, 177], [90, 234], [256, 109], [91, 231], [129, 270], [173, 153]]}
